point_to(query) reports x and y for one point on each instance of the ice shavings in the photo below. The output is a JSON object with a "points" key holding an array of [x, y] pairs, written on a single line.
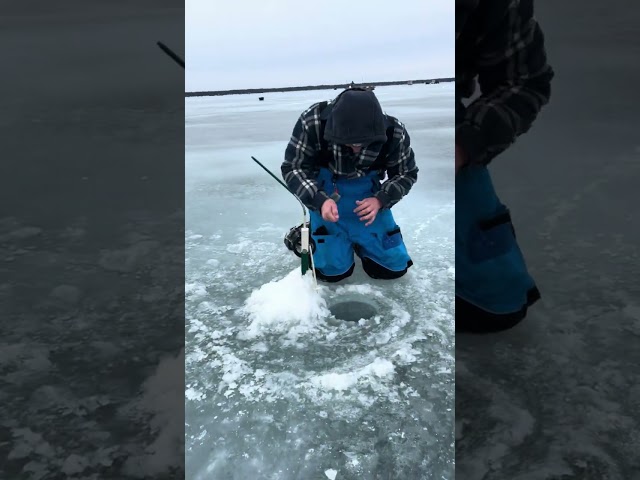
{"points": [[378, 369], [365, 290], [233, 370], [386, 335], [192, 394], [290, 306], [406, 354], [195, 290]]}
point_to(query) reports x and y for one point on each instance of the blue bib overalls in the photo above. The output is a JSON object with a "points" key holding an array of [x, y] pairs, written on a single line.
{"points": [[491, 274], [380, 245]]}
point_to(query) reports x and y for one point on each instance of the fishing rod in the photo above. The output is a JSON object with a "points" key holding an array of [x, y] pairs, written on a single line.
{"points": [[306, 253], [171, 53], [304, 209]]}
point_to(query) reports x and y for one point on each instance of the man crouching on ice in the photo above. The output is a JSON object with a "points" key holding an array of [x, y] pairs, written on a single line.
{"points": [[336, 163]]}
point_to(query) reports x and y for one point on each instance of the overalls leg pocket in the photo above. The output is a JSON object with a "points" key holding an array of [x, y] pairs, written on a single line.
{"points": [[391, 239], [491, 238], [333, 254], [386, 249]]}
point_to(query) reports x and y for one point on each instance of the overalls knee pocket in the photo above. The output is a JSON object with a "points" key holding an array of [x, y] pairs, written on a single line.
{"points": [[334, 253], [382, 242], [392, 239], [491, 238]]}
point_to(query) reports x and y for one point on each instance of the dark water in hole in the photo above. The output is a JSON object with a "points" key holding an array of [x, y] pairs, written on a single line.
{"points": [[353, 311]]}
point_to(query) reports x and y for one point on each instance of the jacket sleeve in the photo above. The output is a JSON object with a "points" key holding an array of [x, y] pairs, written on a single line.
{"points": [[299, 169], [402, 171], [514, 78]]}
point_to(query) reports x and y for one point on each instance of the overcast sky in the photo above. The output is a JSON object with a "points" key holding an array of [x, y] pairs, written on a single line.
{"points": [[277, 43]]}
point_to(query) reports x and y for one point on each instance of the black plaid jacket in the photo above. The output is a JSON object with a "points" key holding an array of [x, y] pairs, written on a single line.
{"points": [[500, 46], [300, 169]]}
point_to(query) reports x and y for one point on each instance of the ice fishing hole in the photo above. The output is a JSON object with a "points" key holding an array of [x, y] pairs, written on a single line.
{"points": [[353, 310]]}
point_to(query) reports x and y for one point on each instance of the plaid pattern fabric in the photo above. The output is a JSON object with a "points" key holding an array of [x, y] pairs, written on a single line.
{"points": [[299, 168], [502, 46]]}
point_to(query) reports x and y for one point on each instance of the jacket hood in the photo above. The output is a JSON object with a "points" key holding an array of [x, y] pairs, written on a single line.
{"points": [[356, 117]]}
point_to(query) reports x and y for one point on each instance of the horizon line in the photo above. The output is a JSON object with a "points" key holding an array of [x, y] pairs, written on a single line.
{"points": [[208, 93]]}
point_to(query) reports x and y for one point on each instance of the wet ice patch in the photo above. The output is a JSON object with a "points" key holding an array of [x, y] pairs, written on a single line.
{"points": [[66, 293], [127, 259], [160, 399], [74, 464], [291, 305], [27, 442], [240, 247], [22, 233]]}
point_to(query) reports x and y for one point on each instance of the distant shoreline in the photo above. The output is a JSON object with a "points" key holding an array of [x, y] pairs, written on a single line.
{"points": [[316, 87]]}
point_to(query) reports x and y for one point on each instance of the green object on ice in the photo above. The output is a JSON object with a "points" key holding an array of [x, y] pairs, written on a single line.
{"points": [[304, 261]]}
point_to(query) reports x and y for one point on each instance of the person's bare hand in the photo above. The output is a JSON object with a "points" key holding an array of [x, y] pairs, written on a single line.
{"points": [[330, 211], [368, 209], [461, 158]]}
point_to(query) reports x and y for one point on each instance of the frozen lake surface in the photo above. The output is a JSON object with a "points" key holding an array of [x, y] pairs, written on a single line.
{"points": [[276, 386]]}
